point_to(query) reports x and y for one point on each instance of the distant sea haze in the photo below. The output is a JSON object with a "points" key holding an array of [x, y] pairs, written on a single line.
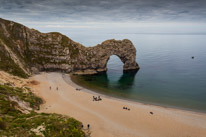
{"points": [[169, 76], [156, 33]]}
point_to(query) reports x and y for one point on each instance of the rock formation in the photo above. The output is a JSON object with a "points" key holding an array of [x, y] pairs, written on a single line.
{"points": [[29, 51]]}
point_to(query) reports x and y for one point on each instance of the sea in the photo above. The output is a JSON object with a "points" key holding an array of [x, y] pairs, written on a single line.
{"points": [[168, 75]]}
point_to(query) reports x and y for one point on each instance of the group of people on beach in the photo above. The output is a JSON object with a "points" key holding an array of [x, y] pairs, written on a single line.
{"points": [[97, 98], [88, 126], [126, 108], [51, 88], [78, 89]]}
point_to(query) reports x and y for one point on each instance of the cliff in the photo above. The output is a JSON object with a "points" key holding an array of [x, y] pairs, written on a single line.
{"points": [[25, 51]]}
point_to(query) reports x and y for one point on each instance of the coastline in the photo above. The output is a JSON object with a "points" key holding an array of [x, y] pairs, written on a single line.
{"points": [[70, 82], [109, 112]]}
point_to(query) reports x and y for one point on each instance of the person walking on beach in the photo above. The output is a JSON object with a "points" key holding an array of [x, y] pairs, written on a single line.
{"points": [[88, 126], [57, 88], [50, 87]]}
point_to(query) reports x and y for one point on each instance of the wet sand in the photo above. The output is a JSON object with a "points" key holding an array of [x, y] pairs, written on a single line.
{"points": [[107, 118]]}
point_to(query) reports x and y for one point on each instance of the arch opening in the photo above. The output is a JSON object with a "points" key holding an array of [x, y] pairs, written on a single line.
{"points": [[114, 64]]}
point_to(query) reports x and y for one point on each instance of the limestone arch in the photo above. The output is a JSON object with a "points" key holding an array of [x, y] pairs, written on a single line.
{"points": [[95, 58]]}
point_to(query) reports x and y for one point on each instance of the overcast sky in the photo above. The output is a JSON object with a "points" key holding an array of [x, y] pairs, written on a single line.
{"points": [[96, 13]]}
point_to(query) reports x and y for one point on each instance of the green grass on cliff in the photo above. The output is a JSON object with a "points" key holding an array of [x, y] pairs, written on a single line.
{"points": [[50, 48], [8, 65], [73, 50], [15, 123]]}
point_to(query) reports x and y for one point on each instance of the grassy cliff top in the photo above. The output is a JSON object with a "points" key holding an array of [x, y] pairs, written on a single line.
{"points": [[18, 117]]}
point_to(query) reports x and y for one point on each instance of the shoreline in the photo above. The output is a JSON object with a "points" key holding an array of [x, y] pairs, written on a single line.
{"points": [[75, 85], [108, 118]]}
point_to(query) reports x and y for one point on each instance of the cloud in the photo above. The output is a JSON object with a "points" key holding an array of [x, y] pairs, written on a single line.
{"points": [[104, 10]]}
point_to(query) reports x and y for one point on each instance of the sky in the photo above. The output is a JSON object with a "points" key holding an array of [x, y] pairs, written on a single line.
{"points": [[183, 16]]}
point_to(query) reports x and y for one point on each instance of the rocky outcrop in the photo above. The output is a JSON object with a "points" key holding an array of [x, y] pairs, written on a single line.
{"points": [[32, 51], [94, 59]]}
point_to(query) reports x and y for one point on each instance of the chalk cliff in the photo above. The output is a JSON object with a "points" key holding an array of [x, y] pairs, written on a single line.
{"points": [[25, 51]]}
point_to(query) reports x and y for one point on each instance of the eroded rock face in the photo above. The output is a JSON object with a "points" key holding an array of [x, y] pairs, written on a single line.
{"points": [[94, 59], [55, 52]]}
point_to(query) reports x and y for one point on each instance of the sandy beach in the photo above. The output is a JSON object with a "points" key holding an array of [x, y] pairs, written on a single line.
{"points": [[107, 118]]}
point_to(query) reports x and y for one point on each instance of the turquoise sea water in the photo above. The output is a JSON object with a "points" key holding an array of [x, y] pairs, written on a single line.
{"points": [[168, 76]]}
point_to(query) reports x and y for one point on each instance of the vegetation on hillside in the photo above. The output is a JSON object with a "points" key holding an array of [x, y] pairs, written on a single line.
{"points": [[14, 122], [8, 65], [34, 49]]}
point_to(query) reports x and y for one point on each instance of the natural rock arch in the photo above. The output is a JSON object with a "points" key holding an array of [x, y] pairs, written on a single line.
{"points": [[100, 54], [126, 62]]}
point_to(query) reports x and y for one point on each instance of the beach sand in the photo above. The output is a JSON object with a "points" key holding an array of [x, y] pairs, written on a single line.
{"points": [[107, 118]]}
